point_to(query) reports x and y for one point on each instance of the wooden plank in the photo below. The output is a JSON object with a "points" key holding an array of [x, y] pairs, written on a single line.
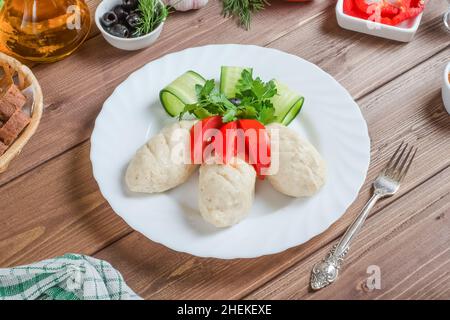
{"points": [[424, 122], [408, 241], [53, 210]]}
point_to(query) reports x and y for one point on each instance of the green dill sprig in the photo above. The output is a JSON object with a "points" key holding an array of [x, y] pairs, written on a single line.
{"points": [[243, 10], [152, 14]]}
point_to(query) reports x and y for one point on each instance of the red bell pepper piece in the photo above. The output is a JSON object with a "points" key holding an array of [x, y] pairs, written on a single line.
{"points": [[385, 8], [226, 147], [257, 145], [416, 8], [202, 133], [351, 9], [408, 13], [247, 137], [384, 11]]}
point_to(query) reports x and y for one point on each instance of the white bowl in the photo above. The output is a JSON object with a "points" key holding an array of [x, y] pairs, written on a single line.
{"points": [[404, 32], [129, 44], [446, 88]]}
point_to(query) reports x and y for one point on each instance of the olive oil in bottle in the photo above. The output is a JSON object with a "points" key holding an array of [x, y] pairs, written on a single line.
{"points": [[43, 30]]}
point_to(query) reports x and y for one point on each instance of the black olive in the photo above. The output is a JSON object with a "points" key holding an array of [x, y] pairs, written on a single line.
{"points": [[109, 19], [130, 4], [235, 101], [120, 13], [133, 20], [119, 30]]}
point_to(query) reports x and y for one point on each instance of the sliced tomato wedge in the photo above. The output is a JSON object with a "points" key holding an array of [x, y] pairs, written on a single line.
{"points": [[257, 145], [202, 134]]}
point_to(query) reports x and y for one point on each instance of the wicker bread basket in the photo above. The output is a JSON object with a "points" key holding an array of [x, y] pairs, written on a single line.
{"points": [[24, 79]]}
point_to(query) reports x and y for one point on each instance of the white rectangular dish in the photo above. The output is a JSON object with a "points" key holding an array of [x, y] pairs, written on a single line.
{"points": [[404, 32]]}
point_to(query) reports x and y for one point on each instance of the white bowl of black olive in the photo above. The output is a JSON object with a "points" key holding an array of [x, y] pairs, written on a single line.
{"points": [[131, 24]]}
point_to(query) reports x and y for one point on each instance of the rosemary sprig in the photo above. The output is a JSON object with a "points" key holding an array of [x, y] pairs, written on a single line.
{"points": [[242, 10], [153, 13]]}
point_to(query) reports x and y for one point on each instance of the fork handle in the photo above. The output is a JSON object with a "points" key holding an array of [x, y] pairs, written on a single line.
{"points": [[447, 19], [326, 272], [353, 230]]}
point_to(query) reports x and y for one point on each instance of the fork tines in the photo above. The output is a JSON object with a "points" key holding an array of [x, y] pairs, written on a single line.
{"points": [[400, 163]]}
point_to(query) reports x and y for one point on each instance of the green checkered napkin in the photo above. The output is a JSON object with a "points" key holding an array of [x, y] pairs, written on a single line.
{"points": [[70, 277]]}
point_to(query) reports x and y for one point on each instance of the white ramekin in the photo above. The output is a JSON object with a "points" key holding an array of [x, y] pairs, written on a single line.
{"points": [[129, 44], [446, 88]]}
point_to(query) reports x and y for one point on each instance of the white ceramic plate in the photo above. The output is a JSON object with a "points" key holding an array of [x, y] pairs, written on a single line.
{"points": [[330, 119]]}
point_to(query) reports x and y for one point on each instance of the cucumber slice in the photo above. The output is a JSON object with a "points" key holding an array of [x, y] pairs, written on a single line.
{"points": [[229, 77], [287, 103], [293, 112], [180, 92]]}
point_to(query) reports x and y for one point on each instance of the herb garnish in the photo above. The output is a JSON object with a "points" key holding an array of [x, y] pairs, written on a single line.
{"points": [[254, 101], [255, 95], [243, 9], [152, 14]]}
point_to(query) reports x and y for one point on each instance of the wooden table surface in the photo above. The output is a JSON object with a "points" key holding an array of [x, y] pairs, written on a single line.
{"points": [[51, 205]]}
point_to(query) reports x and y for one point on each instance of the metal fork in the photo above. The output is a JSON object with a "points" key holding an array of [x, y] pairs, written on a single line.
{"points": [[386, 184]]}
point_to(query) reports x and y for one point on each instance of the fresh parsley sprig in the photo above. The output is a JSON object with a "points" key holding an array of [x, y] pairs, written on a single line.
{"points": [[210, 102], [253, 95]]}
